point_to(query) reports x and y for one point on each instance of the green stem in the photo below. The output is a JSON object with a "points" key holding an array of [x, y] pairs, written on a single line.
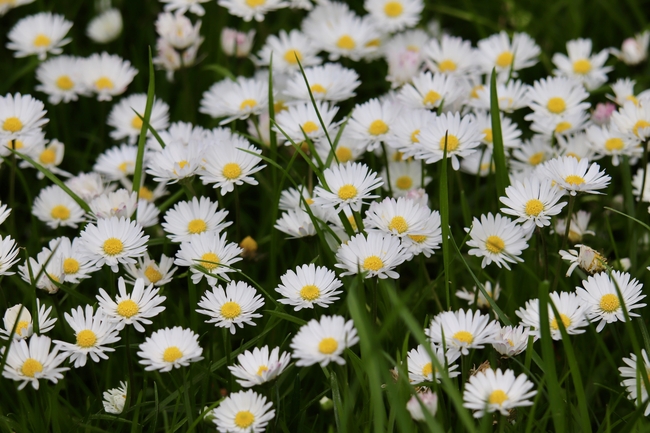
{"points": [[572, 200], [129, 362]]}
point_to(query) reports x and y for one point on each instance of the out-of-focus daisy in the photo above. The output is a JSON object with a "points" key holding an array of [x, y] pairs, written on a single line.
{"points": [[371, 122], [431, 91], [235, 43], [8, 253], [232, 307], [579, 226], [450, 55], [531, 154], [117, 163], [56, 208], [608, 141], [633, 119], [498, 51], [230, 164], [152, 272], [323, 341], [45, 273], [114, 399], [329, 82], [133, 308], [510, 133], [107, 75], [489, 391], [401, 217], [575, 176], [178, 30], [404, 177], [170, 348], [512, 96], [460, 331], [88, 185], [287, 50], [124, 117], [296, 223], [259, 366], [105, 27], [183, 6], [632, 380], [235, 99], [600, 295], [7, 6], [376, 255], [195, 217], [302, 119], [60, 79], [176, 162], [19, 319], [497, 239], [120, 203], [4, 212], [403, 53], [427, 399], [309, 285], [112, 241], [587, 258], [405, 133], [76, 266], [30, 363], [533, 202], [572, 313], [634, 51], [623, 89], [347, 184], [346, 149], [421, 368], [48, 155], [581, 64], [243, 412], [511, 341], [476, 295], [557, 96], [39, 34], [394, 15], [20, 115], [212, 253], [249, 10], [93, 331]]}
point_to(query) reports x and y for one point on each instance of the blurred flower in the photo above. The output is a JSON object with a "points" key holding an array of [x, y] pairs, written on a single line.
{"points": [[39, 34], [126, 117], [115, 398], [634, 50], [259, 366], [107, 75], [105, 27], [582, 65], [235, 43], [632, 380], [426, 399]]}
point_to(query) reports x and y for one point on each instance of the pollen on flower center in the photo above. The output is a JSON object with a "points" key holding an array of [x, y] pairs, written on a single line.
{"points": [[231, 171], [310, 292], [347, 192], [393, 9], [209, 261], [136, 122], [21, 326], [48, 156], [582, 66], [317, 88], [346, 42], [127, 308], [452, 143], [343, 154], [113, 246], [86, 338], [536, 158], [414, 136], [197, 226], [309, 127], [244, 418], [70, 266], [475, 90], [152, 274], [42, 40], [373, 263], [230, 310], [126, 165], [104, 83], [292, 56], [505, 59], [562, 126], [556, 105], [494, 244], [378, 127], [447, 66], [31, 367], [534, 207], [638, 125], [247, 104], [427, 369], [60, 212], [464, 337], [498, 397], [565, 321], [404, 182], [418, 238], [431, 98], [614, 144], [573, 179], [64, 82], [488, 134], [255, 3], [262, 369], [399, 224], [609, 303], [172, 353], [12, 124], [327, 346]]}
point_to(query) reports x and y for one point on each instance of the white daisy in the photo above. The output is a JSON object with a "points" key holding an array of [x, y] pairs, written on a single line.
{"points": [[582, 65], [634, 51], [587, 258], [105, 27], [371, 122], [578, 227], [512, 96], [124, 117], [248, 10], [498, 51], [404, 176], [88, 185], [107, 75], [243, 412], [60, 79], [114, 399], [208, 255], [497, 239], [633, 119], [376, 255], [421, 368], [39, 34], [170, 348], [151, 272], [475, 295], [431, 91], [296, 223], [575, 176], [572, 312], [426, 399], [397, 217], [232, 307], [329, 82], [120, 203], [177, 161], [488, 391], [510, 133], [31, 363], [394, 15], [178, 31], [259, 366], [286, 50], [45, 273], [8, 253], [230, 164], [235, 43], [450, 55], [19, 320], [531, 154], [459, 331], [117, 163], [309, 285], [632, 380], [346, 148], [323, 341], [301, 119], [198, 216], [511, 341], [20, 115], [76, 266], [236, 99], [5, 211], [347, 184], [533, 202], [609, 141]]}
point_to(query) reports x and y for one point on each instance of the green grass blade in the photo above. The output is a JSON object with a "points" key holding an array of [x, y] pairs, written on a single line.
{"points": [[137, 175], [499, 155]]}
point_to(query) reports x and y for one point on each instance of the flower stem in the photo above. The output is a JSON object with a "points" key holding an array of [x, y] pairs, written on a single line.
{"points": [[572, 200]]}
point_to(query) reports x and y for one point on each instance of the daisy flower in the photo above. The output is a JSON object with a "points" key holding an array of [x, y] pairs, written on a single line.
{"points": [[93, 331], [588, 259], [20, 115], [301, 120], [512, 96], [248, 10], [176, 162], [572, 313], [633, 51], [259, 366], [371, 122], [633, 119], [60, 79], [76, 266], [286, 50], [459, 331], [296, 223], [18, 319], [178, 30], [39, 34], [632, 380], [232, 307], [115, 398], [579, 226], [183, 6], [120, 203], [170, 348], [404, 177], [476, 295], [243, 412], [208, 255], [151, 272], [124, 117], [30, 363], [403, 53], [347, 149], [309, 285], [421, 368], [429, 238], [531, 154], [510, 133], [107, 75], [7, 6], [88, 185], [489, 391], [117, 163], [236, 99], [498, 51], [45, 273], [323, 341], [450, 55], [397, 217], [575, 176], [329, 82], [230, 164], [497, 239], [190, 218], [533, 202], [394, 15], [582, 65], [511, 341], [4, 212], [426, 399], [375, 255], [431, 91], [235, 43], [105, 27], [8, 253], [554, 101], [600, 295], [347, 184], [608, 141], [135, 308], [112, 241], [405, 133]]}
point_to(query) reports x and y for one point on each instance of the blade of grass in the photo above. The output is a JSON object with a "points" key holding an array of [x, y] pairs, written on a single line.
{"points": [[137, 174], [498, 151]]}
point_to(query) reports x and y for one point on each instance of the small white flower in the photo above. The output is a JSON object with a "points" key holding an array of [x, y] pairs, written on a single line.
{"points": [[489, 391], [421, 368], [394, 15], [190, 218], [236, 99], [309, 285], [428, 399], [632, 380], [582, 65], [151, 272], [476, 295], [243, 412], [125, 117], [39, 34], [634, 50], [114, 399], [323, 341], [497, 239], [20, 115], [212, 253], [587, 258], [235, 43], [236, 305], [376, 255], [572, 313], [8, 253], [259, 366], [60, 78], [511, 341], [105, 27], [31, 363], [533, 201], [24, 327], [231, 163], [459, 331], [170, 348], [107, 75], [575, 176], [347, 184]]}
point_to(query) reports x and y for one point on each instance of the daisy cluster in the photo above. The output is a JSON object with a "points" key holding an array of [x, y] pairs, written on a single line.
{"points": [[151, 233]]}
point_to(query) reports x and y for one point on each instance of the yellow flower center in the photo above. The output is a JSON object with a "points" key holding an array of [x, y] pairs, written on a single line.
{"points": [[573, 179], [536, 158], [464, 337], [373, 263], [614, 144], [12, 124], [431, 98], [152, 274], [574, 236], [505, 59], [393, 9], [317, 88], [404, 182], [31, 367], [262, 369], [452, 143], [136, 122], [309, 127], [346, 42], [418, 238], [146, 193], [47, 156], [64, 83], [42, 40], [247, 104], [230, 310], [378, 127], [17, 144], [638, 125], [343, 154], [398, 223], [353, 223], [475, 90], [556, 105], [632, 98], [447, 66], [172, 353], [534, 207], [374, 43], [494, 244], [21, 326], [197, 226], [488, 135], [498, 397], [414, 136], [86, 338], [231, 171], [562, 126], [127, 308], [60, 212], [70, 266], [309, 292], [565, 321], [210, 261], [292, 56], [427, 369], [113, 246], [609, 303], [126, 166], [104, 83], [244, 418], [346, 192], [327, 346], [249, 244], [582, 66]]}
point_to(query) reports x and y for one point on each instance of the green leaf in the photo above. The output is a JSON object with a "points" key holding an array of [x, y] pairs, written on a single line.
{"points": [[137, 175], [498, 153]]}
